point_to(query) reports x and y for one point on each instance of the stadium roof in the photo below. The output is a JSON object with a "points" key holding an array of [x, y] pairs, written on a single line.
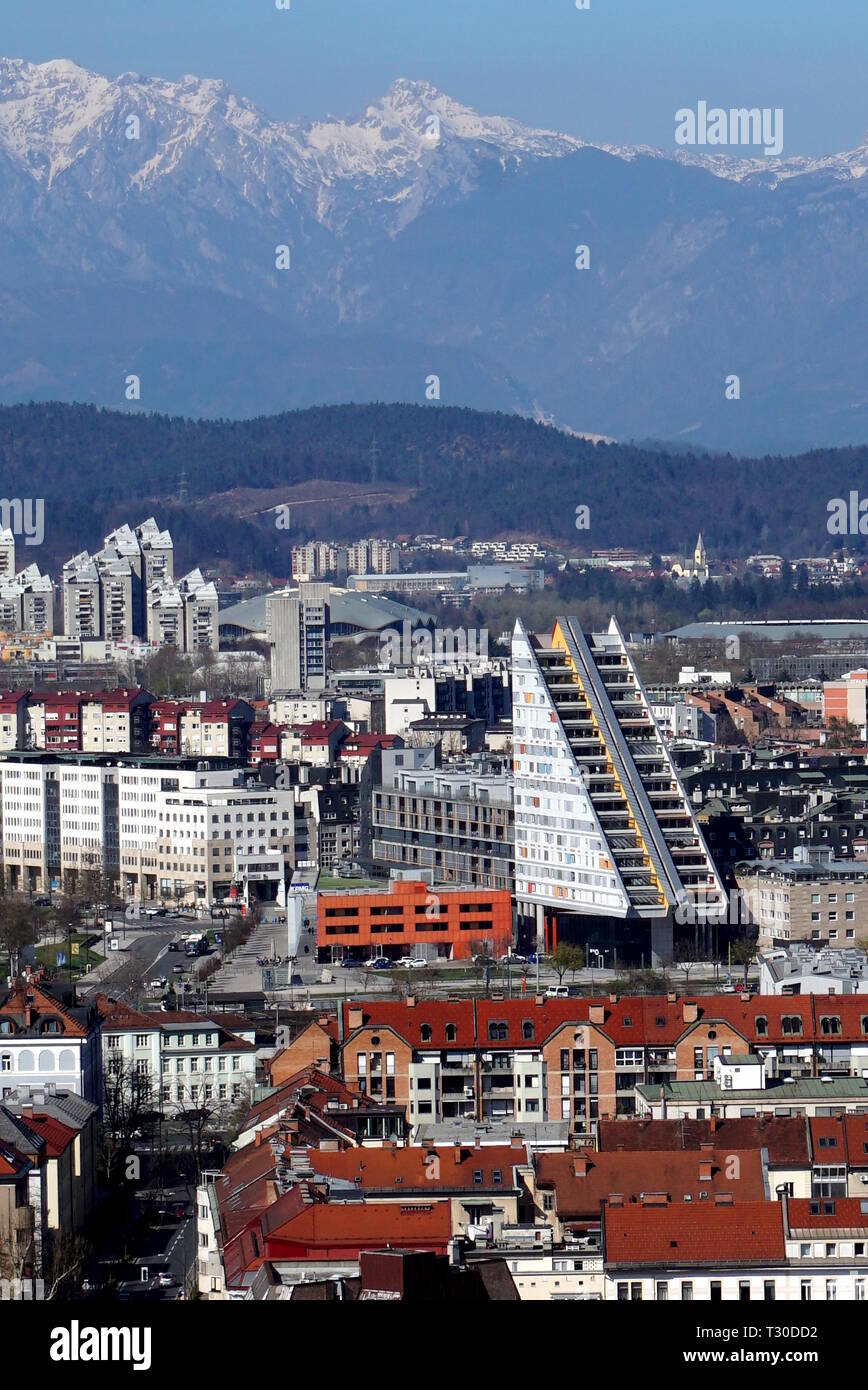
{"points": [[365, 612]]}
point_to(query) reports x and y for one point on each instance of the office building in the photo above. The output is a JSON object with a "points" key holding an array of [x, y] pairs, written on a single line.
{"points": [[297, 624]]}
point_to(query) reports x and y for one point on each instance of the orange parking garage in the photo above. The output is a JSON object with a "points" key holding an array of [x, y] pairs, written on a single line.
{"points": [[412, 915]]}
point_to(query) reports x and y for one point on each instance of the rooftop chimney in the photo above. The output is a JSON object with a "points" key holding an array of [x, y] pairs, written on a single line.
{"points": [[705, 1170], [411, 1001], [597, 1013], [580, 1167], [690, 1011]]}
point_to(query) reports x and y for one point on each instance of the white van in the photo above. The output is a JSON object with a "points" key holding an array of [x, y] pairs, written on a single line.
{"points": [[557, 992]]}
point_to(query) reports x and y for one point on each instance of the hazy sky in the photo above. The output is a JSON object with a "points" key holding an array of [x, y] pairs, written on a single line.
{"points": [[615, 72]]}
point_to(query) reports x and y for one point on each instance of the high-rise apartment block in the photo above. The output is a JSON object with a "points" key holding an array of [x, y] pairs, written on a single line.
{"points": [[183, 614], [320, 558], [108, 594], [27, 602]]}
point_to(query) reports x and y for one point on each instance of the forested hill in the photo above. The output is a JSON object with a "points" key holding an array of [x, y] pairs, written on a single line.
{"points": [[352, 470]]}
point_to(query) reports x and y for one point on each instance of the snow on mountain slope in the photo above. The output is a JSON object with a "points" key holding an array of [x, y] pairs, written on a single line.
{"points": [[59, 122]]}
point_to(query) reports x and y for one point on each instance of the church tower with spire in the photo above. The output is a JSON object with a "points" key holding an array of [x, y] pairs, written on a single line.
{"points": [[700, 560]]}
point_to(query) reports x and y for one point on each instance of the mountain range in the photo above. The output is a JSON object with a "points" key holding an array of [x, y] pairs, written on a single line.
{"points": [[141, 221]]}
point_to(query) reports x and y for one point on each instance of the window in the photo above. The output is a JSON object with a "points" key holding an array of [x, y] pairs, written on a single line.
{"points": [[425, 1032], [687, 1291], [661, 1292], [806, 1290], [715, 1291], [498, 1031], [744, 1291], [831, 1290], [830, 1025], [769, 1290], [527, 1029], [761, 1024], [451, 1032]]}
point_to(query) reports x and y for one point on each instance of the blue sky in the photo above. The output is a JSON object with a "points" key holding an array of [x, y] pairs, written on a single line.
{"points": [[617, 71]]}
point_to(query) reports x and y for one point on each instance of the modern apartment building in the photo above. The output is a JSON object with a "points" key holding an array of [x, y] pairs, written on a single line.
{"points": [[183, 614], [596, 1059], [7, 553], [455, 826], [82, 601], [320, 558], [297, 623], [26, 602], [607, 847], [108, 594]]}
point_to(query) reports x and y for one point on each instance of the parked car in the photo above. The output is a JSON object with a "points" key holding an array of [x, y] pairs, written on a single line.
{"points": [[513, 958], [350, 964], [43, 902], [382, 964], [177, 969], [413, 962], [557, 992], [164, 1281]]}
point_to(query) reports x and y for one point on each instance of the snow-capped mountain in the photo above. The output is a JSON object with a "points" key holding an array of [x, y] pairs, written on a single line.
{"points": [[140, 219]]}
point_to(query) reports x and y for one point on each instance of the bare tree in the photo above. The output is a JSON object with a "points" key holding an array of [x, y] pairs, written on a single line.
{"points": [[686, 956], [68, 1254], [127, 1096], [197, 1115]]}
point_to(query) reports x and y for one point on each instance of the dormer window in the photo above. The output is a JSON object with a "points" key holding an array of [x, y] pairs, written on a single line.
{"points": [[425, 1032], [51, 1025], [761, 1025], [527, 1029], [451, 1032], [830, 1025]]}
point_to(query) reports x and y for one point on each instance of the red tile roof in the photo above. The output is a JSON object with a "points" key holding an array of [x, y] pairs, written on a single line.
{"points": [[848, 1213], [785, 1137], [643, 1020], [582, 1179], [422, 1168], [686, 1235]]}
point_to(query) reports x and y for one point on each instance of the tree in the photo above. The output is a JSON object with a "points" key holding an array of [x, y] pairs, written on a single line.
{"points": [[127, 1097], [18, 928], [68, 1254], [742, 952], [197, 1116], [567, 958], [686, 956]]}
